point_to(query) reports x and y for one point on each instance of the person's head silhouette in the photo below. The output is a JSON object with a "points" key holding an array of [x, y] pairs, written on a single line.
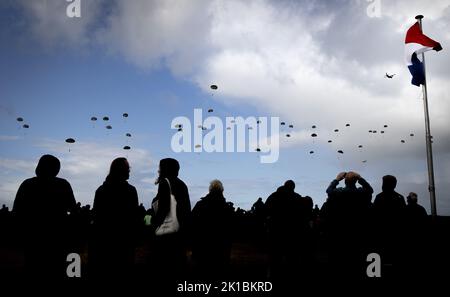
{"points": [[389, 183], [168, 167], [351, 178], [216, 186], [289, 185], [48, 166], [119, 171], [412, 198]]}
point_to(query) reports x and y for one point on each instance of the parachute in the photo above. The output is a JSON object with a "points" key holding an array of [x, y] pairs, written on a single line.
{"points": [[213, 87], [198, 146], [128, 135], [360, 146], [26, 126], [291, 126], [258, 149], [412, 134], [93, 119], [282, 123], [314, 135], [125, 115], [329, 141], [347, 125], [210, 110], [311, 152], [385, 126], [109, 127], [336, 130], [19, 119], [340, 151], [126, 147], [106, 119], [402, 141], [313, 126], [288, 135], [70, 140]]}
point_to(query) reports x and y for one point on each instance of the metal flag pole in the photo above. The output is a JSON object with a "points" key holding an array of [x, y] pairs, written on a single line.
{"points": [[431, 187]]}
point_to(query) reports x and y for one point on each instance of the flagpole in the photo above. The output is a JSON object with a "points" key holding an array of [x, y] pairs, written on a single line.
{"points": [[431, 187]]}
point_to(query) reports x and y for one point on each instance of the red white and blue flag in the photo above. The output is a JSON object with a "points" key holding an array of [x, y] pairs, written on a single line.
{"points": [[416, 43]]}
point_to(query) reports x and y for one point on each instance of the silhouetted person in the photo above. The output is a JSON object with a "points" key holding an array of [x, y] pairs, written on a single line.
{"points": [[417, 238], [211, 231], [288, 215], [389, 210], [414, 212], [170, 249], [41, 208], [347, 219], [114, 224]]}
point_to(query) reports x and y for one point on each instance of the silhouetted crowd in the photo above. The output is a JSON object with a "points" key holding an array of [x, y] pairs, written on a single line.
{"points": [[118, 238]]}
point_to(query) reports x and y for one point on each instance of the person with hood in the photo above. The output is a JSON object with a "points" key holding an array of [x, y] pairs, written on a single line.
{"points": [[41, 208], [211, 229], [170, 246], [115, 222]]}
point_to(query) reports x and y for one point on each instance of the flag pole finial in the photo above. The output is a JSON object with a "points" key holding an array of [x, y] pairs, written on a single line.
{"points": [[419, 17]]}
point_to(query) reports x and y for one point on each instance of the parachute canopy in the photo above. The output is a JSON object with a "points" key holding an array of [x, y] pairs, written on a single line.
{"points": [[402, 141], [106, 118], [198, 146], [258, 149], [347, 125], [288, 135], [313, 126], [26, 126], [210, 110], [412, 134], [336, 130], [314, 135], [19, 119], [109, 127], [282, 123], [128, 135], [126, 147], [70, 140], [340, 151], [360, 146], [125, 115], [213, 87], [93, 119], [291, 126], [311, 152], [329, 141]]}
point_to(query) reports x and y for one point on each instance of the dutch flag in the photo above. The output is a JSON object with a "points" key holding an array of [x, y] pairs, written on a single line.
{"points": [[416, 43]]}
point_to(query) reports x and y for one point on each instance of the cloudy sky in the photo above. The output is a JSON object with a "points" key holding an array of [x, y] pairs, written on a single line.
{"points": [[309, 63]]}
